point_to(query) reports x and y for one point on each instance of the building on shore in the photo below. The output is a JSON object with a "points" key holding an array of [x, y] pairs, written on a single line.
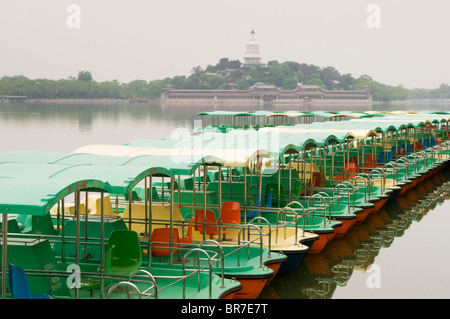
{"points": [[252, 56], [266, 92], [262, 96]]}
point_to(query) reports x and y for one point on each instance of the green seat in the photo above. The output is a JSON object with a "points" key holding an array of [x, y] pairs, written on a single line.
{"points": [[281, 195], [134, 195], [189, 183], [13, 226], [91, 283], [123, 256], [124, 251], [298, 187], [42, 225], [141, 193]]}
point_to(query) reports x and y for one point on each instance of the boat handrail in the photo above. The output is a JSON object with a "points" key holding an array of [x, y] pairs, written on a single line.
{"points": [[431, 150], [423, 158], [324, 205], [404, 160], [392, 167], [124, 283], [260, 233], [344, 185], [382, 177], [366, 184], [197, 251], [215, 257], [153, 284], [294, 215], [415, 159], [305, 212]]}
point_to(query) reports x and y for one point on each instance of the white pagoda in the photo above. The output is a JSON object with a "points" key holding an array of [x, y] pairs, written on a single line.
{"points": [[252, 56]]}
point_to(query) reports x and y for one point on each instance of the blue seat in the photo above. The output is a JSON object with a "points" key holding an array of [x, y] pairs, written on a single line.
{"points": [[19, 287], [386, 157], [408, 149], [254, 213]]}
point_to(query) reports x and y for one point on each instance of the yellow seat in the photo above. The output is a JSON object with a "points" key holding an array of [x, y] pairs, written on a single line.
{"points": [[95, 202], [69, 209], [160, 212]]}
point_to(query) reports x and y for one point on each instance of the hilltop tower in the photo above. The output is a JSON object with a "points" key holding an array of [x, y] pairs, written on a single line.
{"points": [[252, 56]]}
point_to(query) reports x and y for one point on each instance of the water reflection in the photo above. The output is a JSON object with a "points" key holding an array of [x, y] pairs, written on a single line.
{"points": [[319, 275], [67, 126], [83, 113]]}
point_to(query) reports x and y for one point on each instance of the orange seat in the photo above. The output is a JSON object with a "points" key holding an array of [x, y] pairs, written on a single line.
{"points": [[347, 169], [418, 146], [371, 161], [211, 223], [351, 168], [317, 179], [231, 212], [162, 235], [188, 238]]}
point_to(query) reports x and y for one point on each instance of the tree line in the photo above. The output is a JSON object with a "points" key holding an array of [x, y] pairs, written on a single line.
{"points": [[82, 87], [226, 74]]}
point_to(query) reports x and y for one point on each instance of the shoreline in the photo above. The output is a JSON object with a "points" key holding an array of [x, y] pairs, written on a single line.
{"points": [[90, 101]]}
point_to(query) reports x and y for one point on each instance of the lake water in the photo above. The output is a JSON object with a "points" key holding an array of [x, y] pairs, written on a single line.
{"points": [[400, 252]]}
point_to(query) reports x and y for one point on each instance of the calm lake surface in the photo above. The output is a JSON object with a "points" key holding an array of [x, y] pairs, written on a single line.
{"points": [[400, 252]]}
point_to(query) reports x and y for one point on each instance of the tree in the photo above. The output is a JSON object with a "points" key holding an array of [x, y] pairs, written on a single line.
{"points": [[223, 64], [300, 76], [346, 82], [85, 76], [314, 80], [234, 64], [289, 83], [242, 84], [330, 77]]}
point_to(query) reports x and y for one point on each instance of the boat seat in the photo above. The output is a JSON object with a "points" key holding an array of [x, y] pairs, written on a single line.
{"points": [[95, 205], [408, 149], [90, 283], [19, 286], [188, 238], [389, 157], [371, 161], [275, 195], [418, 146], [125, 251], [231, 212], [162, 235], [211, 223], [399, 152], [69, 209], [351, 168], [33, 224], [316, 182], [254, 213]]}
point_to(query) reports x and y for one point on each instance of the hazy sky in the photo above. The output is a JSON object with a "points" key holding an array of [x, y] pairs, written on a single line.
{"points": [[147, 39]]}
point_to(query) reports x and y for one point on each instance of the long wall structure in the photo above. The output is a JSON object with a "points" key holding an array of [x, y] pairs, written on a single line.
{"points": [[305, 98]]}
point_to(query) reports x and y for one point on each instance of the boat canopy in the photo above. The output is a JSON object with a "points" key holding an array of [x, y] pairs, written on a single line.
{"points": [[36, 196], [119, 179]]}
